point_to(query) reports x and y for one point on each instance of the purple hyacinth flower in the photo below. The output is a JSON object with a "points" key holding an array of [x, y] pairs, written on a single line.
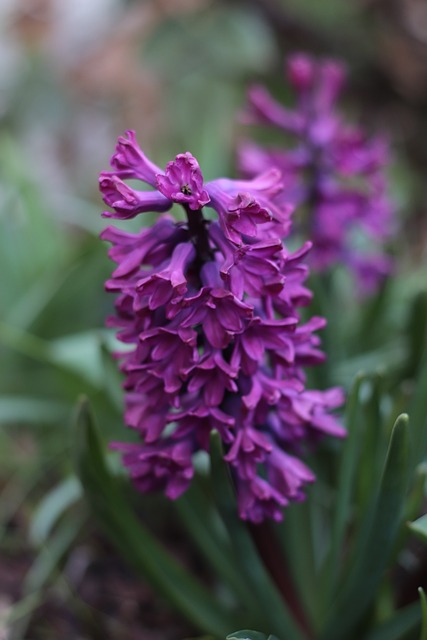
{"points": [[208, 309], [164, 466], [183, 182], [332, 171]]}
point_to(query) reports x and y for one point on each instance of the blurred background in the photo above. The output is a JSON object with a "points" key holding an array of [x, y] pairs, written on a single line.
{"points": [[74, 76]]}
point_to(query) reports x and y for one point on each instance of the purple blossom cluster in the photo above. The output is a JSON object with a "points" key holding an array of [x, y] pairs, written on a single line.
{"points": [[333, 171], [207, 308]]}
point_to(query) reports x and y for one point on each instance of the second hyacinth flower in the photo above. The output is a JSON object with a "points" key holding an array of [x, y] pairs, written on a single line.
{"points": [[334, 172]]}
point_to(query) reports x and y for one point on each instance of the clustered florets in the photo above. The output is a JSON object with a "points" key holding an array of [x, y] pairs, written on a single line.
{"points": [[209, 308], [334, 172]]}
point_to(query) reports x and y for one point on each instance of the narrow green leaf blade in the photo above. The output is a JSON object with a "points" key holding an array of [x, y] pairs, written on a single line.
{"points": [[24, 410], [135, 542], [423, 635], [246, 634], [52, 552], [372, 554], [52, 507], [272, 610], [345, 484], [197, 518], [419, 528], [399, 626], [423, 599]]}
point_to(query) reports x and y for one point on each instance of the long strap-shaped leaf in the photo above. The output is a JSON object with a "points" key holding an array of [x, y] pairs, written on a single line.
{"points": [[370, 559], [135, 542], [247, 634], [418, 411], [423, 599], [347, 472], [196, 517], [402, 623], [273, 613]]}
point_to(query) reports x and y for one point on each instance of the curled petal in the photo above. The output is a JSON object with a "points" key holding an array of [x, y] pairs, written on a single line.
{"points": [[183, 182], [130, 161], [128, 202]]}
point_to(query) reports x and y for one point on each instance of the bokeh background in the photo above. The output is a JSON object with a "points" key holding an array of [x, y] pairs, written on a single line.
{"points": [[73, 76]]}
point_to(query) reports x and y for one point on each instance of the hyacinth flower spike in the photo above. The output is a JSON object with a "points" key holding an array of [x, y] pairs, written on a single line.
{"points": [[209, 310], [332, 169]]}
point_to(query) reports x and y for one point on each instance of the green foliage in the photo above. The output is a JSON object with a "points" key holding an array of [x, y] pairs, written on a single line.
{"points": [[419, 528], [342, 545], [423, 599], [249, 635], [137, 545]]}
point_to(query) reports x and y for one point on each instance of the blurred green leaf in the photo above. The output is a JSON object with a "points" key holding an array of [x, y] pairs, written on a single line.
{"points": [[296, 534], [198, 518], [345, 485], [79, 353], [405, 621], [26, 410], [416, 333], [112, 377], [329, 13], [418, 412], [52, 552], [52, 507], [423, 599], [23, 607], [374, 544], [419, 528], [246, 634], [246, 44], [30, 239], [135, 542], [272, 611]]}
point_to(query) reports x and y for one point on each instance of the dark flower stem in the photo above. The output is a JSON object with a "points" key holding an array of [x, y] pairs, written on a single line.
{"points": [[197, 228]]}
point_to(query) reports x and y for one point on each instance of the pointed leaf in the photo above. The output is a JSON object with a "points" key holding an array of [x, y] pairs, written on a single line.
{"points": [[345, 484], [197, 517], [419, 527], [24, 409], [52, 507], [135, 542], [372, 554], [51, 554], [403, 622], [245, 634], [272, 610], [423, 599]]}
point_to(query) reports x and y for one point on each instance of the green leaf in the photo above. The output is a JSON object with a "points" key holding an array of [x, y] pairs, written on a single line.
{"points": [[53, 550], [345, 483], [246, 634], [423, 599], [24, 607], [272, 611], [24, 410], [78, 353], [112, 377], [403, 622], [418, 412], [419, 528], [136, 544], [52, 507], [374, 549], [198, 518], [81, 354], [416, 333], [296, 535]]}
